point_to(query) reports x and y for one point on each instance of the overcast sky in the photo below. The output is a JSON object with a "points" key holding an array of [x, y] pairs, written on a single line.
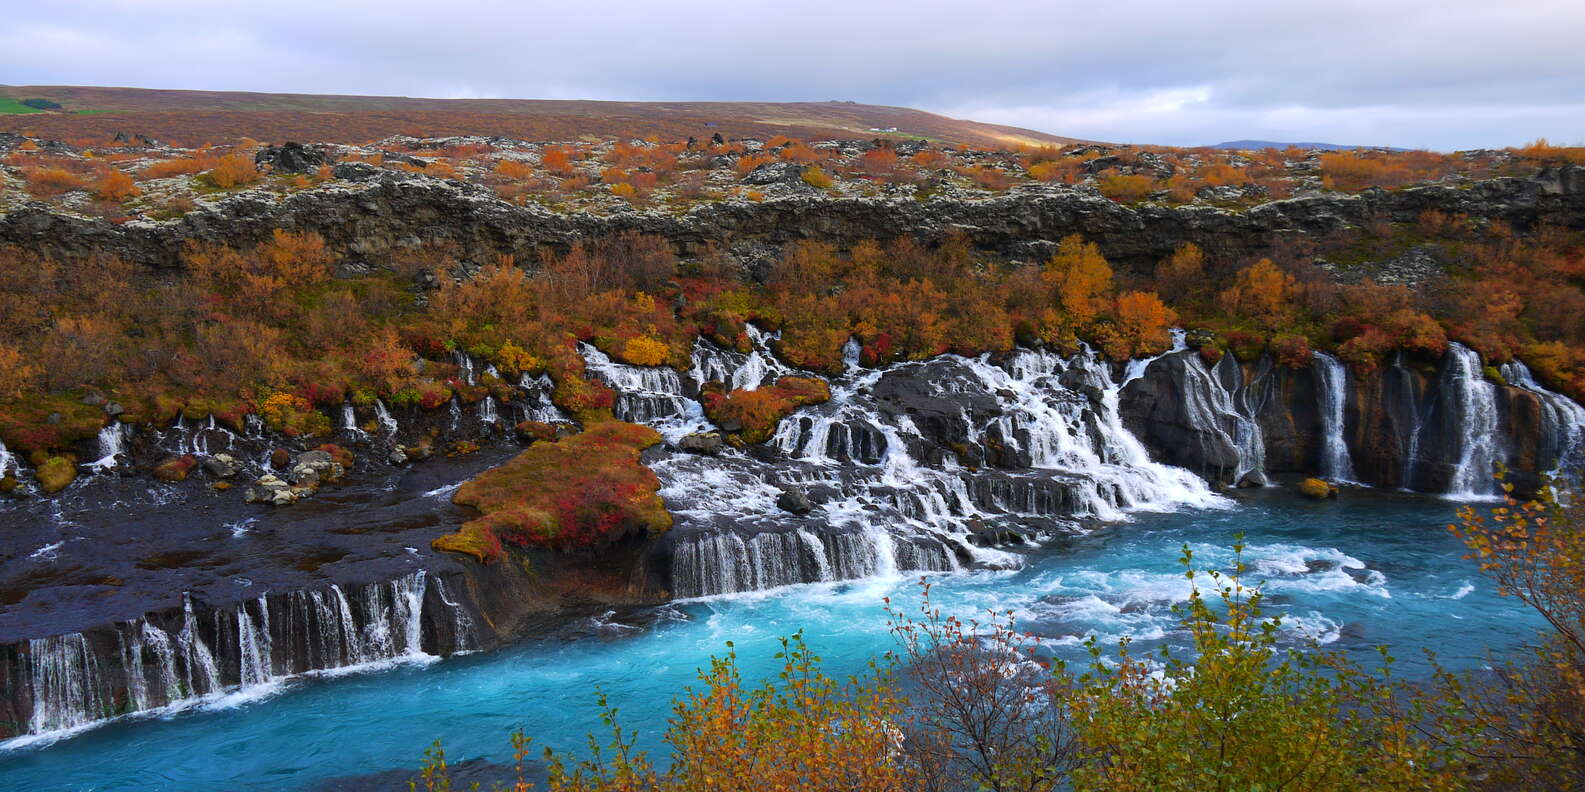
{"points": [[1446, 74]]}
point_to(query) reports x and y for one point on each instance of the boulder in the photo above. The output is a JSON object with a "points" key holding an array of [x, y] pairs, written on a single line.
{"points": [[794, 501], [270, 489], [176, 468], [701, 443], [1316, 489], [291, 158], [313, 468], [56, 474], [774, 173], [222, 466], [396, 457]]}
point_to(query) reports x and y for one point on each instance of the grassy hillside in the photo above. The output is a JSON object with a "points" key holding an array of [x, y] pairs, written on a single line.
{"points": [[193, 117]]}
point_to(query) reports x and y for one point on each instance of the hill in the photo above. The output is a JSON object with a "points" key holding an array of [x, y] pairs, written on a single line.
{"points": [[195, 117], [1243, 145]]}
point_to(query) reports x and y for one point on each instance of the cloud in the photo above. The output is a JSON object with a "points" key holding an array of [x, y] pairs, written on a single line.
{"points": [[1445, 74]]}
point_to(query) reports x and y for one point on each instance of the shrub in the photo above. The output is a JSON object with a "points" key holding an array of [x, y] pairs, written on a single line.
{"points": [[1291, 350], [50, 182], [645, 351], [815, 177], [1126, 188], [115, 186], [233, 170], [587, 490], [754, 414], [56, 474]]}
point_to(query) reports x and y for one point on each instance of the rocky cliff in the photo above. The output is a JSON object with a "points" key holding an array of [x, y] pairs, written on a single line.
{"points": [[367, 214]]}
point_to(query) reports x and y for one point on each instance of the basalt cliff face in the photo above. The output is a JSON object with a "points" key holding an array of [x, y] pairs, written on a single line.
{"points": [[367, 215], [116, 599]]}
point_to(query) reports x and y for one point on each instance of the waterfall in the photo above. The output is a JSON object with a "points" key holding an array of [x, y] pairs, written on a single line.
{"points": [[254, 643], [647, 394], [1331, 395], [112, 445], [465, 364], [67, 686], [1411, 456], [1475, 401], [487, 412], [1562, 419], [456, 413], [384, 417], [1022, 445], [536, 404], [8, 463], [349, 421], [1211, 407]]}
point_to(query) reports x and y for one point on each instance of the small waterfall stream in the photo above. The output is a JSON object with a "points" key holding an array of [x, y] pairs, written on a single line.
{"points": [[1563, 420], [1474, 399], [1331, 388], [112, 447]]}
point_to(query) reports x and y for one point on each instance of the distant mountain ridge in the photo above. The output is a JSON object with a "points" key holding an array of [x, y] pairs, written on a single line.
{"points": [[1265, 144]]}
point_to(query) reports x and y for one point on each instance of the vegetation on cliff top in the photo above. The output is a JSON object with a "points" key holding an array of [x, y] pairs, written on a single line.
{"points": [[587, 490]]}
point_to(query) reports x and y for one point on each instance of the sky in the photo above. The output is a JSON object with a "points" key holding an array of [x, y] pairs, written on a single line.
{"points": [[1446, 75]]}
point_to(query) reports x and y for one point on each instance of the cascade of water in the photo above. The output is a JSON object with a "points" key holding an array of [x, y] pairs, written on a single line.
{"points": [[487, 412], [68, 689], [112, 444], [647, 394], [1331, 395], [383, 415], [456, 413], [349, 421], [896, 510], [1563, 420], [1411, 408], [254, 651], [70, 685], [1212, 408], [8, 462], [536, 404], [465, 363], [203, 676], [1474, 400]]}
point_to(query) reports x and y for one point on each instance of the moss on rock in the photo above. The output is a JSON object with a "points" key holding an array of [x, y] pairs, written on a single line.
{"points": [[56, 474], [587, 490]]}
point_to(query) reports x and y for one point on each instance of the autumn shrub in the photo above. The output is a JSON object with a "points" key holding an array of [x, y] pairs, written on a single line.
{"points": [[50, 182], [232, 170], [1126, 187], [180, 166], [754, 414], [1529, 712], [586, 490], [814, 176], [1292, 351], [115, 186]]}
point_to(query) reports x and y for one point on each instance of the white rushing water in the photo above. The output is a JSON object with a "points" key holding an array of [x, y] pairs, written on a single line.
{"points": [[349, 421], [383, 415], [1562, 419], [73, 686], [112, 445], [1474, 399], [8, 462], [888, 510], [1331, 386]]}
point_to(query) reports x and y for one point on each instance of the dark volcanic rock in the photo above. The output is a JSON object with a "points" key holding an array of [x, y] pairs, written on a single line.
{"points": [[292, 158], [391, 210]]}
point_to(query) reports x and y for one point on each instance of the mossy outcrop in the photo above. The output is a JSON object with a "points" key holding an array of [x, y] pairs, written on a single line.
{"points": [[587, 490]]}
